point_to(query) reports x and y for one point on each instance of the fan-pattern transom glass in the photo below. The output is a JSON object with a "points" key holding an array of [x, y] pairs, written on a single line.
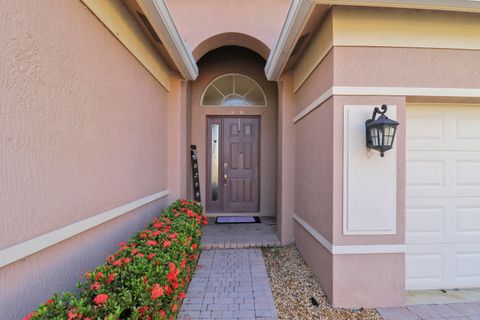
{"points": [[233, 90]]}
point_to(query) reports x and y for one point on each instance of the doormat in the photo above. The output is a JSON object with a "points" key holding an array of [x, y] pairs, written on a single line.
{"points": [[228, 220]]}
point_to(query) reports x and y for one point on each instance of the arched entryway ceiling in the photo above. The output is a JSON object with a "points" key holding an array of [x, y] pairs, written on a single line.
{"points": [[231, 39]]}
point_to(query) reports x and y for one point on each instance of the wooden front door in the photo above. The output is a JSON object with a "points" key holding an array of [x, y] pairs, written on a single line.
{"points": [[233, 164]]}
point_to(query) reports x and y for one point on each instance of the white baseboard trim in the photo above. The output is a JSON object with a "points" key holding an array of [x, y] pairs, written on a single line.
{"points": [[349, 249], [29, 247], [387, 91]]}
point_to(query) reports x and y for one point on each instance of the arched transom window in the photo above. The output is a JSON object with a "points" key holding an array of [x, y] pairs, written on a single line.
{"points": [[234, 90]]}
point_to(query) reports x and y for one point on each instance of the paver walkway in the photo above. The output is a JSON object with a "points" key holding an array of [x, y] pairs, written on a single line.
{"points": [[229, 284], [450, 311]]}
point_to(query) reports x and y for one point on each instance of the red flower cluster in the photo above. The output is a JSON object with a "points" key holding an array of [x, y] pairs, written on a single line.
{"points": [[100, 299], [169, 246], [157, 291]]}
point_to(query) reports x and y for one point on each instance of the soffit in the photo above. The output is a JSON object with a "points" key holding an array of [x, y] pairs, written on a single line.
{"points": [[148, 30], [312, 25]]}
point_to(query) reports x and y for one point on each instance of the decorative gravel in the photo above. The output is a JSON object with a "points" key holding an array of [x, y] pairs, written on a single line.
{"points": [[293, 286]]}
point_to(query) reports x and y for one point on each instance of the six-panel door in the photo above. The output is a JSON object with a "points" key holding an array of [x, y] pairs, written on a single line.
{"points": [[233, 164]]}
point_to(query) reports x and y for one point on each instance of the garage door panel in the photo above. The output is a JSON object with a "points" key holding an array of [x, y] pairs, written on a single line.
{"points": [[425, 223], [442, 220], [443, 197], [442, 266], [443, 127], [467, 266], [443, 174], [425, 173], [423, 265], [424, 268], [425, 128], [467, 221], [468, 127], [468, 172]]}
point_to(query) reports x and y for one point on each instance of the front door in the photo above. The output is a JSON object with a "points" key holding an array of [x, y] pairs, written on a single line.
{"points": [[233, 164]]}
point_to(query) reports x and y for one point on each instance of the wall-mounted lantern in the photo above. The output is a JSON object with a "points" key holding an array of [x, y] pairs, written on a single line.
{"points": [[381, 131]]}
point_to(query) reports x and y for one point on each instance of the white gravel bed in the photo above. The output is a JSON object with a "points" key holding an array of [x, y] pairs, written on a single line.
{"points": [[294, 285]]}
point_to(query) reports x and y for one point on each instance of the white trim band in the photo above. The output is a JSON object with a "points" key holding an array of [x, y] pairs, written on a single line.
{"points": [[406, 91], [314, 105], [349, 249], [387, 91], [29, 247]]}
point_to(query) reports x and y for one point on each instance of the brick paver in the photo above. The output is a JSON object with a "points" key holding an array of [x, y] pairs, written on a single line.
{"points": [[451, 311], [229, 284]]}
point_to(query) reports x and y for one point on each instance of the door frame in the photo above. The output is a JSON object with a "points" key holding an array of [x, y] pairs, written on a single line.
{"points": [[218, 207]]}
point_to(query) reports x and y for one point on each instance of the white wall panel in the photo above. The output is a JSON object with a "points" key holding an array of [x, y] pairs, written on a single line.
{"points": [[369, 185]]}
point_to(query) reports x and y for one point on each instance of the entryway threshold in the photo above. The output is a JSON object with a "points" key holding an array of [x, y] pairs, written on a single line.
{"points": [[241, 235], [442, 296]]}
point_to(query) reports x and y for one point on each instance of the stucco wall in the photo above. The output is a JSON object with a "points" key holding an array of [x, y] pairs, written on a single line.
{"points": [[83, 129], [198, 21], [319, 81], [243, 61], [406, 67], [314, 168]]}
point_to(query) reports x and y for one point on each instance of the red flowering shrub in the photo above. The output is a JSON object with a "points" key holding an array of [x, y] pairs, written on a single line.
{"points": [[145, 279]]}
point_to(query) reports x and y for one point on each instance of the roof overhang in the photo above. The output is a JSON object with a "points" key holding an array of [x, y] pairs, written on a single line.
{"points": [[300, 11], [161, 20], [297, 17]]}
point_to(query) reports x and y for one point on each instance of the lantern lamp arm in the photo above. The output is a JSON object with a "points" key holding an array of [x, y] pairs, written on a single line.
{"points": [[377, 110]]}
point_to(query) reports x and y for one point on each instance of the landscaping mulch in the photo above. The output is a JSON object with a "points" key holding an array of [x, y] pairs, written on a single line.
{"points": [[294, 285]]}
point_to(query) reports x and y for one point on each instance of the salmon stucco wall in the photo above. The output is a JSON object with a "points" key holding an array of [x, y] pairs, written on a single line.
{"points": [[314, 168], [199, 21], [83, 129], [319, 234], [406, 67]]}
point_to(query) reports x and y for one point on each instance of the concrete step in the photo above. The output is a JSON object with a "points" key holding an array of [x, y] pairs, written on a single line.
{"points": [[238, 245]]}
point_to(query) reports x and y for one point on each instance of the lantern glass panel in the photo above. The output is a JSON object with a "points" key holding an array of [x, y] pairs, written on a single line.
{"points": [[381, 136], [374, 135], [389, 133]]}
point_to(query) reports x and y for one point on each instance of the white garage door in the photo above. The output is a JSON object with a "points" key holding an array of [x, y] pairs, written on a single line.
{"points": [[443, 196]]}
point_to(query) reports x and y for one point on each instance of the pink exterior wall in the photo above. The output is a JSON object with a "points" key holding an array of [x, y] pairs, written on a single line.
{"points": [[406, 67], [242, 61], [27, 283], [177, 139], [368, 280], [317, 258], [314, 169], [317, 83], [78, 136], [285, 161], [319, 197], [197, 21]]}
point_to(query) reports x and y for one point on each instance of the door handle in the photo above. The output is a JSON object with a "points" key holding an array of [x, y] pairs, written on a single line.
{"points": [[225, 177]]}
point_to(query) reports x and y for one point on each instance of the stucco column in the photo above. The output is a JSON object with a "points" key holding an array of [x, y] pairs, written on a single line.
{"points": [[286, 160], [177, 139], [368, 208]]}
